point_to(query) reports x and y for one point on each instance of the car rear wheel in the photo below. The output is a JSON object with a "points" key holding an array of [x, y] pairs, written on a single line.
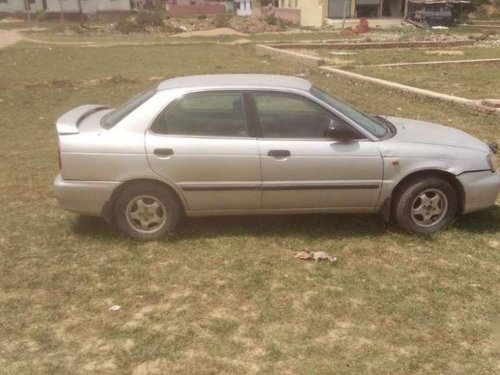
{"points": [[146, 211], [425, 205]]}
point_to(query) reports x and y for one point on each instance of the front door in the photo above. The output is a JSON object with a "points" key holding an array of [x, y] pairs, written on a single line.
{"points": [[201, 142], [302, 168]]}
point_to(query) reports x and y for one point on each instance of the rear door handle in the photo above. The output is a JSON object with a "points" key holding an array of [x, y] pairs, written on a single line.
{"points": [[163, 152], [279, 153]]}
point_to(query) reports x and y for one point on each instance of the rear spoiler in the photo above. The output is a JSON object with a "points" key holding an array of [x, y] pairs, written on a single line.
{"points": [[68, 123]]}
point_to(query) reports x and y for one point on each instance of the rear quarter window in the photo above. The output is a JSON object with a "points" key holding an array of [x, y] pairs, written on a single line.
{"points": [[114, 117]]}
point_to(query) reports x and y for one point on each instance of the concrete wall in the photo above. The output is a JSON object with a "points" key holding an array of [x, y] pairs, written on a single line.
{"points": [[112, 5], [289, 14], [311, 11], [13, 6], [88, 6], [180, 10]]}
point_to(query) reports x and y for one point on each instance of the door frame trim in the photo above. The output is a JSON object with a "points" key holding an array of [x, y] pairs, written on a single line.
{"points": [[280, 186]]}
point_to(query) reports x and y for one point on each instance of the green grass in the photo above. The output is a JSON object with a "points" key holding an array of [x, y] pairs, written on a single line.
{"points": [[406, 55], [224, 295], [472, 81]]}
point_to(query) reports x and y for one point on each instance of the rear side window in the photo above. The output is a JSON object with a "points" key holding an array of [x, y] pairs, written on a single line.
{"points": [[114, 117], [206, 114]]}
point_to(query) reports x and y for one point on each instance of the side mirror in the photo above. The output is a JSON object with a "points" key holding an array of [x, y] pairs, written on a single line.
{"points": [[341, 133]]}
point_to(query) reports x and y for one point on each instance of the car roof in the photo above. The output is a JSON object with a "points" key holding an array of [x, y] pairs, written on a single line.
{"points": [[236, 80]]}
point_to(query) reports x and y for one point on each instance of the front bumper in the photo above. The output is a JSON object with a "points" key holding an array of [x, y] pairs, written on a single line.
{"points": [[481, 189], [85, 197]]}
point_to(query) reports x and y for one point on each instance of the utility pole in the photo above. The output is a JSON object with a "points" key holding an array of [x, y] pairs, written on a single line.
{"points": [[27, 7], [80, 11], [345, 14], [62, 11]]}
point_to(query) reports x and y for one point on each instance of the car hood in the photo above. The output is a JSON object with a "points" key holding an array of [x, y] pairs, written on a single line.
{"points": [[414, 131]]}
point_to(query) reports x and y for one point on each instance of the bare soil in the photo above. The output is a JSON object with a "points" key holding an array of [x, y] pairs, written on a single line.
{"points": [[214, 32], [9, 37]]}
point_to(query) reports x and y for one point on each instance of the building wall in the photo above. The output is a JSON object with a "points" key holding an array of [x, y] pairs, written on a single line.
{"points": [[311, 11], [180, 10], [88, 6], [12, 6], [289, 14], [111, 5], [244, 8]]}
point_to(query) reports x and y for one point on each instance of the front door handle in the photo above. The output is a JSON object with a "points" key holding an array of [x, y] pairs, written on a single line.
{"points": [[163, 152], [279, 153]]}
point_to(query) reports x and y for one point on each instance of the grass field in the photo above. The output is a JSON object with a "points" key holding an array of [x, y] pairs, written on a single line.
{"points": [[472, 81], [225, 295], [407, 55]]}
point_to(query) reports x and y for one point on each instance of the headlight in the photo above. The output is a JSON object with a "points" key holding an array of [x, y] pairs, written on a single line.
{"points": [[492, 161]]}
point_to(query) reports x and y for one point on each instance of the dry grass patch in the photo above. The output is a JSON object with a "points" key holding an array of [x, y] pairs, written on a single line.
{"points": [[225, 295]]}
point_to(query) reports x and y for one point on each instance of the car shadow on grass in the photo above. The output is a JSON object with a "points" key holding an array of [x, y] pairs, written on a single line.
{"points": [[327, 226], [487, 221]]}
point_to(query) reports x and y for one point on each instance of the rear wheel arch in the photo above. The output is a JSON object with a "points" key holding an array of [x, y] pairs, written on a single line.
{"points": [[109, 206], [427, 173]]}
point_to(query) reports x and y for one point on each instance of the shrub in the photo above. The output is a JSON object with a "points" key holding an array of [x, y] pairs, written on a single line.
{"points": [[202, 17], [149, 18], [271, 19], [41, 15], [222, 20], [127, 26]]}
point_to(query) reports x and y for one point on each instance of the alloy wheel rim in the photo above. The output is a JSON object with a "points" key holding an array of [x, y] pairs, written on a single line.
{"points": [[146, 214], [429, 208]]}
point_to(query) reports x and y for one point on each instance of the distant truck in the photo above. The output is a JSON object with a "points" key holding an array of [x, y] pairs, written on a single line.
{"points": [[435, 12]]}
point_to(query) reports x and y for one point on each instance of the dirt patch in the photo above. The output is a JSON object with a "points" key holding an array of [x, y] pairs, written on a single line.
{"points": [[214, 32], [445, 53], [9, 37]]}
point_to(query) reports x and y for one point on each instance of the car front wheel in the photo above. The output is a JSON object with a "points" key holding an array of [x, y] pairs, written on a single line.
{"points": [[146, 211], [425, 205]]}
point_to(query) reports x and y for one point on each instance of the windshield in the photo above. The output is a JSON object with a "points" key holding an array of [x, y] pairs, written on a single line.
{"points": [[114, 117], [370, 123]]}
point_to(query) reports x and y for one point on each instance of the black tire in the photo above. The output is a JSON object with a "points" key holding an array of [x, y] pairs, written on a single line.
{"points": [[151, 195], [436, 215]]}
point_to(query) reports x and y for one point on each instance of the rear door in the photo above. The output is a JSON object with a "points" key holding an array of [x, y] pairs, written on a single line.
{"points": [[202, 142], [302, 168]]}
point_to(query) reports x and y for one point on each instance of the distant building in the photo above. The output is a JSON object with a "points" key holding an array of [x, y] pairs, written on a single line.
{"points": [[88, 6], [68, 6], [15, 6], [192, 7], [313, 12], [243, 7]]}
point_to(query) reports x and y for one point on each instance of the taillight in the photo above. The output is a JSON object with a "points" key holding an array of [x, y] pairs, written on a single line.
{"points": [[59, 161]]}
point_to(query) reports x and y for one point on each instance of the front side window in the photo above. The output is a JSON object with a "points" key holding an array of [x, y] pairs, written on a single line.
{"points": [[204, 114], [291, 116], [368, 122]]}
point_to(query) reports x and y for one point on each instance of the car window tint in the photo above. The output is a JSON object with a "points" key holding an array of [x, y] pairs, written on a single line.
{"points": [[290, 116], [209, 114]]}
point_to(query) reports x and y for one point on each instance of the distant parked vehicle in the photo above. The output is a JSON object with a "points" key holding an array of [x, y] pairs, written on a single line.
{"points": [[263, 144]]}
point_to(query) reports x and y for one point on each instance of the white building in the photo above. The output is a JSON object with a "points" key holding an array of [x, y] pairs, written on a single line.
{"points": [[244, 8], [68, 6], [13, 6], [88, 6]]}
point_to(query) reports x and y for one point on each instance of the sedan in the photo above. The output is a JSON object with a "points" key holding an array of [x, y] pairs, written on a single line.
{"points": [[263, 144]]}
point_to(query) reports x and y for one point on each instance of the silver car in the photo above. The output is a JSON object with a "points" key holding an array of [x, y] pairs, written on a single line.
{"points": [[263, 144]]}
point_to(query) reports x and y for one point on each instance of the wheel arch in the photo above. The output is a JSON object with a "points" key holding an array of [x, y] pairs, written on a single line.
{"points": [[107, 212], [387, 207]]}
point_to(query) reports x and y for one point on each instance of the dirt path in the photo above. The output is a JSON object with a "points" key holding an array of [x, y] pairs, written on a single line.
{"points": [[9, 37]]}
